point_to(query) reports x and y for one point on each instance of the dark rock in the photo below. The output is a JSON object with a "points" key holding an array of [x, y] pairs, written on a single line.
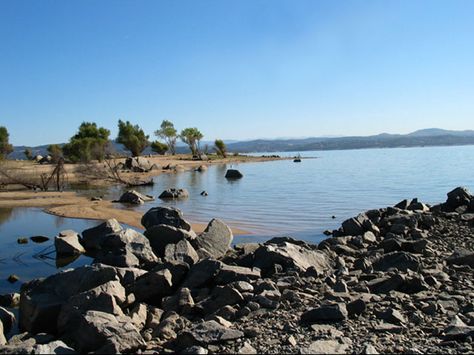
{"points": [[22, 240], [401, 261], [67, 243], [392, 316], [354, 226], [135, 198], [233, 174], [356, 307], [13, 278], [462, 257], [174, 194], [165, 215], [39, 239], [209, 332], [326, 313], [230, 273], [460, 196], [216, 239], [8, 319], [202, 273], [10, 300], [93, 238], [181, 251], [153, 286], [161, 235]]}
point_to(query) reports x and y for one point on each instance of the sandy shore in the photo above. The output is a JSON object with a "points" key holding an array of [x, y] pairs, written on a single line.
{"points": [[70, 204]]}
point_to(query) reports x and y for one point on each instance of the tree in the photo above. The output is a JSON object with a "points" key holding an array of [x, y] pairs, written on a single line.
{"points": [[132, 137], [159, 148], [89, 143], [56, 152], [169, 134], [5, 147], [220, 148], [28, 153], [192, 137]]}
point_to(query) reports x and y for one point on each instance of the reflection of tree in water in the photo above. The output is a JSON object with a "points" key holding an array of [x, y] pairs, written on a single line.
{"points": [[5, 214], [59, 222]]}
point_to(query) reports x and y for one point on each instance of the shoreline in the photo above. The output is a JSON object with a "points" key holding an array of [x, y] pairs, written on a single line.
{"points": [[69, 204]]}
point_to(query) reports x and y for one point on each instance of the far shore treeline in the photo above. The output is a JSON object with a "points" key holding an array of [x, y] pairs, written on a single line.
{"points": [[92, 142]]}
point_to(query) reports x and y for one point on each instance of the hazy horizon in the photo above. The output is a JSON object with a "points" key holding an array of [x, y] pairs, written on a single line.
{"points": [[237, 70]]}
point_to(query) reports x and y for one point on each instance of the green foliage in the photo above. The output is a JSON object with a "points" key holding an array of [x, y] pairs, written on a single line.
{"points": [[220, 148], [5, 147], [89, 143], [132, 137], [28, 153], [192, 137], [159, 147], [56, 152], [169, 134]]}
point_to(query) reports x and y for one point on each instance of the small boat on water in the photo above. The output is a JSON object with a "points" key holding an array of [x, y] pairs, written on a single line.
{"points": [[297, 159]]}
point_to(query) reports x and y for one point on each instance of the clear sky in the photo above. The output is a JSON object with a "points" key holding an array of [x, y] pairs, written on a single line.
{"points": [[236, 69]]}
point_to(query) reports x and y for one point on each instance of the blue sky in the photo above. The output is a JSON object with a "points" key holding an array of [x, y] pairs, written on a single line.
{"points": [[236, 69]]}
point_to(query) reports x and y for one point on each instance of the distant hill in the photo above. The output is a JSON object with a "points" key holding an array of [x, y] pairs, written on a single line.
{"points": [[420, 138]]}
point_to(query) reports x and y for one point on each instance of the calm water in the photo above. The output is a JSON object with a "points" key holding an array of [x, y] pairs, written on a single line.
{"points": [[273, 198]]}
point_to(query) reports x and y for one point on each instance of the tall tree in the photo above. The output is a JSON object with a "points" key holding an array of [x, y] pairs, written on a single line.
{"points": [[5, 146], [192, 137], [220, 148], [169, 134], [132, 137], [159, 147], [89, 143]]}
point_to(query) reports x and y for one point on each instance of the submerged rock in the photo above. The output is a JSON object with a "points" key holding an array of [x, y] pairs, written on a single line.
{"points": [[135, 198], [233, 174], [174, 194]]}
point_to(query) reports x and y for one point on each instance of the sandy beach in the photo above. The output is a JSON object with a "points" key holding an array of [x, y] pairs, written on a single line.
{"points": [[70, 204]]}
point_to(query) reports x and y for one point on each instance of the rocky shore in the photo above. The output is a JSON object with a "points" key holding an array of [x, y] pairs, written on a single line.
{"points": [[397, 279]]}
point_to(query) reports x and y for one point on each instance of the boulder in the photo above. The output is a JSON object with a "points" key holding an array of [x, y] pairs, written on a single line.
{"points": [[290, 255], [325, 313], [135, 198], [181, 302], [161, 235], [3, 340], [209, 332], [67, 243], [130, 241], [41, 300], [202, 273], [401, 261], [174, 194], [216, 239], [105, 298], [233, 174], [165, 215], [54, 347], [232, 273], [462, 257], [138, 164], [221, 296], [92, 238], [105, 333], [458, 197], [8, 319], [181, 251], [153, 286], [355, 226], [10, 300]]}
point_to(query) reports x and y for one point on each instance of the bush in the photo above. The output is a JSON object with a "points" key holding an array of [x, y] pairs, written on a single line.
{"points": [[89, 143], [220, 148], [5, 146], [159, 148]]}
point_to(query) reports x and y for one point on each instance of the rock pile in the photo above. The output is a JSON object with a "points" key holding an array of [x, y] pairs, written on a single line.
{"points": [[396, 279]]}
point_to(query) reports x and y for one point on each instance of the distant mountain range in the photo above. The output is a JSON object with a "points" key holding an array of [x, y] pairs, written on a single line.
{"points": [[420, 138]]}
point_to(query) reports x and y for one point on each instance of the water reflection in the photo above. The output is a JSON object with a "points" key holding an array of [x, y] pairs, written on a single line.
{"points": [[5, 214]]}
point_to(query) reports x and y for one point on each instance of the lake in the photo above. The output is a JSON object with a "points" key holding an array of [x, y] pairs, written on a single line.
{"points": [[272, 199]]}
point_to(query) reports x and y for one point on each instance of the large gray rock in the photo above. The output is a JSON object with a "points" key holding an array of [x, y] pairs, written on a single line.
{"points": [[105, 333], [209, 332], [129, 240], [174, 194], [326, 313], [41, 300], [153, 286], [135, 198], [67, 243], [181, 251], [138, 164], [401, 261], [216, 239], [54, 347], [93, 238], [165, 215], [355, 226], [328, 346], [3, 340], [105, 298], [161, 235], [290, 256], [202, 273], [232, 273]]}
